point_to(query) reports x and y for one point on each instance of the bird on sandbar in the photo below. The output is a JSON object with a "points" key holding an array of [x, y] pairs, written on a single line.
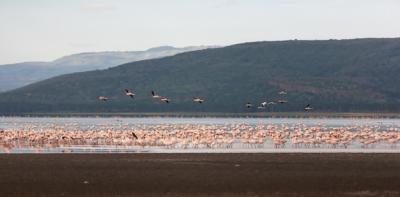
{"points": [[129, 93]]}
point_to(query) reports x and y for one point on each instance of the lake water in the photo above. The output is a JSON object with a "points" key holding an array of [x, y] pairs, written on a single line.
{"points": [[117, 123], [19, 122]]}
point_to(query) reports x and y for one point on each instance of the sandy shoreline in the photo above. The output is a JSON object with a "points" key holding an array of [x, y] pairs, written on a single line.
{"points": [[234, 174]]}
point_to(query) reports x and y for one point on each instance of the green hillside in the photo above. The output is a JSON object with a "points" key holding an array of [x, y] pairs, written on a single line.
{"points": [[333, 75]]}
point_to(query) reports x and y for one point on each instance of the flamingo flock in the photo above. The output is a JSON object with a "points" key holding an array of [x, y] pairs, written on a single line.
{"points": [[263, 105], [200, 136]]}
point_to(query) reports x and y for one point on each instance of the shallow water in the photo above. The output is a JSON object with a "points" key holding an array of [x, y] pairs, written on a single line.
{"points": [[91, 123], [19, 122]]}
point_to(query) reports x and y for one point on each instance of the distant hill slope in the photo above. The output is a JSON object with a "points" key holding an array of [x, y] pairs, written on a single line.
{"points": [[17, 75], [332, 75]]}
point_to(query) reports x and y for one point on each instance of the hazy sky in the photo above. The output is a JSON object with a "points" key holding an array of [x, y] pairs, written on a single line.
{"points": [[42, 30]]}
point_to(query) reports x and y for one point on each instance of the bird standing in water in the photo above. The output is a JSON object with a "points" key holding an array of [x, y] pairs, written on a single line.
{"points": [[134, 135]]}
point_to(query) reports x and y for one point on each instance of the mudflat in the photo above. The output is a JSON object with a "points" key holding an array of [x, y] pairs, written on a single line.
{"points": [[230, 174]]}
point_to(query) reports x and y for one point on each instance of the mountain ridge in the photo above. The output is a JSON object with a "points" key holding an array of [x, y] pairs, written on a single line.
{"points": [[20, 74], [354, 75]]}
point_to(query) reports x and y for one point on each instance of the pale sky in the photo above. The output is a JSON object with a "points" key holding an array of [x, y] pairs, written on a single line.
{"points": [[43, 30]]}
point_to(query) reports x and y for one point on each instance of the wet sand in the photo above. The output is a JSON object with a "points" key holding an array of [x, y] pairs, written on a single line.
{"points": [[333, 174]]}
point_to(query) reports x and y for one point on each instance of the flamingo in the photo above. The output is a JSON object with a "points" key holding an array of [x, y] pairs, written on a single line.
{"points": [[198, 100], [129, 93], [154, 95], [170, 136], [308, 108], [165, 100], [263, 105], [249, 105], [282, 93], [282, 101], [103, 98]]}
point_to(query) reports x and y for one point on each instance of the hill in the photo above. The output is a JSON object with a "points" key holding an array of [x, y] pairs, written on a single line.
{"points": [[355, 75], [17, 75]]}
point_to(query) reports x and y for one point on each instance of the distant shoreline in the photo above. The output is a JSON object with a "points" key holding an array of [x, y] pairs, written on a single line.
{"points": [[214, 115]]}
